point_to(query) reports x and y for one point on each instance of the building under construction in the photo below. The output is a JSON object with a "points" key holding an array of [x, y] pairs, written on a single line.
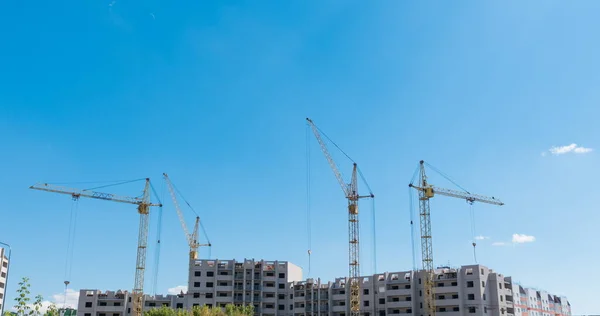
{"points": [[276, 288]]}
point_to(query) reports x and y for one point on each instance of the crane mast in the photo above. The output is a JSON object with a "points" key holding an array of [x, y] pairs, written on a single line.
{"points": [[351, 193], [426, 243], [426, 191], [143, 208], [353, 237]]}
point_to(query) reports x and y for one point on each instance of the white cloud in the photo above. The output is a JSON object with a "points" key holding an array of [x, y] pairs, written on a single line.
{"points": [[499, 243], [59, 301], [522, 238], [582, 150], [561, 150], [177, 289], [481, 237], [72, 298]]}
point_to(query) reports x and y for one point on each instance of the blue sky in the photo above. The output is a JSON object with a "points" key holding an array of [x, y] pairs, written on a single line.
{"points": [[216, 95]]}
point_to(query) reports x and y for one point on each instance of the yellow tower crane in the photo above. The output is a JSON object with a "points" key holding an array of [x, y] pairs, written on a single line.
{"points": [[192, 238], [143, 209], [351, 192], [426, 192]]}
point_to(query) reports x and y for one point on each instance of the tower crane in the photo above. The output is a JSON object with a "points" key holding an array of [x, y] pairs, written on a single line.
{"points": [[426, 192], [143, 209], [351, 193], [192, 238]]}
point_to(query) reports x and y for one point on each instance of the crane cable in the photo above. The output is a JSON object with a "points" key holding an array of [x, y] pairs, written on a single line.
{"points": [[71, 241], [374, 226], [471, 211], [411, 210], [472, 214], [308, 221], [65, 298], [446, 177], [114, 184], [374, 238], [158, 235]]}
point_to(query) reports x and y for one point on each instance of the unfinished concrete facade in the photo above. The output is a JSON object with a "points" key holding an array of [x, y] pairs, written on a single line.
{"points": [[118, 303], [263, 284], [276, 288]]}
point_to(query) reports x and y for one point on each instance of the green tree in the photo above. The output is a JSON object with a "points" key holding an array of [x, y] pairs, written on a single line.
{"points": [[22, 306], [22, 300], [37, 305], [52, 310]]}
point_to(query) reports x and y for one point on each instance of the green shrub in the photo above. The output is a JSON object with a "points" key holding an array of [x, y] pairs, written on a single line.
{"points": [[229, 310]]}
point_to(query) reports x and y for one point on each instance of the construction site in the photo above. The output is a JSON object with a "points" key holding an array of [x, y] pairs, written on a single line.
{"points": [[278, 287]]}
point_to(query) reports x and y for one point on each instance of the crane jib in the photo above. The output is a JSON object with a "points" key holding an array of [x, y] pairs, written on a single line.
{"points": [[103, 196]]}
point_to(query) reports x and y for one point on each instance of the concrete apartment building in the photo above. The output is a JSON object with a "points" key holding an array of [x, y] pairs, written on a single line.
{"points": [[381, 294], [469, 290], [3, 274], [118, 303], [264, 284], [276, 288], [533, 302]]}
